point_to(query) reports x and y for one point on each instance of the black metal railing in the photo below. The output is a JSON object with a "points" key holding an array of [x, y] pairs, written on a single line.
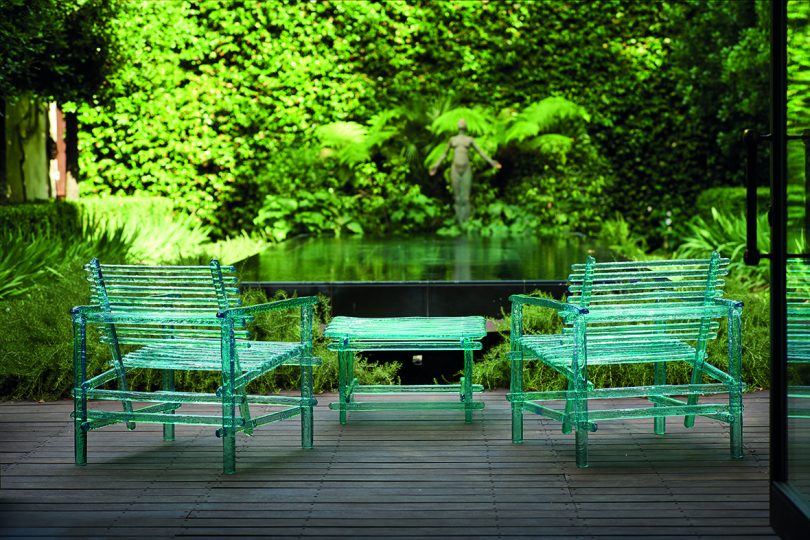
{"points": [[751, 137]]}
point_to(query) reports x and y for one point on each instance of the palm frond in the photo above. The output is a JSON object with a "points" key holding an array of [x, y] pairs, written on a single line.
{"points": [[341, 134], [520, 130], [478, 121], [376, 137], [547, 112], [379, 121], [354, 153], [434, 154], [552, 143]]}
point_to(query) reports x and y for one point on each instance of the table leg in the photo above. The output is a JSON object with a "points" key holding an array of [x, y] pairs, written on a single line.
{"points": [[350, 377], [344, 379], [467, 382]]}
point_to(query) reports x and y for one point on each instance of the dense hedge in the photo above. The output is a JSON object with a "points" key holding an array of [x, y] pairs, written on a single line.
{"points": [[60, 49], [40, 218], [220, 102]]}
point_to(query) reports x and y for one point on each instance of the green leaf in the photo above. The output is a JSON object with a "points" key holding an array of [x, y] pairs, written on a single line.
{"points": [[479, 121]]}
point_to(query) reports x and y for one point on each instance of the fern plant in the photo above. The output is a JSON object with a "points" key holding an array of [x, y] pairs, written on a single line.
{"points": [[550, 172], [726, 233], [547, 127]]}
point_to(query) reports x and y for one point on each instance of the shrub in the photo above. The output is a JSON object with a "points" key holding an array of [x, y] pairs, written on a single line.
{"points": [[493, 369], [616, 235], [26, 262], [728, 200], [33, 219], [726, 233], [158, 233], [38, 363]]}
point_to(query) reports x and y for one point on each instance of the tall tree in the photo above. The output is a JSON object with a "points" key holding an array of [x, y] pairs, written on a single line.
{"points": [[52, 50]]}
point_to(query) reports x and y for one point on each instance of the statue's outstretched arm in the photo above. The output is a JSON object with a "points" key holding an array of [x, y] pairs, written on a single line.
{"points": [[439, 161], [494, 164]]}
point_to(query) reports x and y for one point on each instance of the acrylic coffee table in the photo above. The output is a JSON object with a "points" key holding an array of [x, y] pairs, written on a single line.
{"points": [[355, 334]]}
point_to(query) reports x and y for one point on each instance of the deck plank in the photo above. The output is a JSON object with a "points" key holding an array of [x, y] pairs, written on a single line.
{"points": [[387, 474]]}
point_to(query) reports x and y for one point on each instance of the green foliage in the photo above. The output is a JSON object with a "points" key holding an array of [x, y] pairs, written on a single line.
{"points": [[157, 233], [798, 116], [232, 250], [479, 121], [38, 363], [27, 262], [543, 194], [493, 369], [729, 200], [683, 120], [61, 49], [221, 106], [40, 218], [23, 264], [615, 234], [726, 234], [756, 332]]}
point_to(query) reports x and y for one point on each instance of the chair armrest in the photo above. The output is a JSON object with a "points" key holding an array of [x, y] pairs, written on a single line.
{"points": [[732, 304], [177, 317], [288, 303], [656, 312], [524, 299], [85, 310], [566, 311]]}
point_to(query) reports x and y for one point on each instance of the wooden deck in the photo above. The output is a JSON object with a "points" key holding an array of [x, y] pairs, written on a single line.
{"points": [[391, 474]]}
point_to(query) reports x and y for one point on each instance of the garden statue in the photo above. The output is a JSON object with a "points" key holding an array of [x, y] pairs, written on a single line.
{"points": [[461, 173]]}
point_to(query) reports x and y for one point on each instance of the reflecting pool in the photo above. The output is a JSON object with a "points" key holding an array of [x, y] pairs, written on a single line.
{"points": [[417, 259]]}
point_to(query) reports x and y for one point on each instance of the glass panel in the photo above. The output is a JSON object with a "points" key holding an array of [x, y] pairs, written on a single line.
{"points": [[798, 270]]}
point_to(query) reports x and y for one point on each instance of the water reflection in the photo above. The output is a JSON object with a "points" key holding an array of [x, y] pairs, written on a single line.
{"points": [[417, 259]]}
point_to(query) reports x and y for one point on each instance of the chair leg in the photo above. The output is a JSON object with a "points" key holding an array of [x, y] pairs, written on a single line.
{"points": [[736, 425], [344, 380], [580, 371], [167, 376], [517, 422], [659, 379], [582, 427], [307, 416], [229, 451], [467, 386], [79, 394], [80, 445], [228, 432], [581, 441], [567, 423], [516, 390], [735, 390]]}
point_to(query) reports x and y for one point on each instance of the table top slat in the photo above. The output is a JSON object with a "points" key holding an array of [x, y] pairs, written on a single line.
{"points": [[407, 328]]}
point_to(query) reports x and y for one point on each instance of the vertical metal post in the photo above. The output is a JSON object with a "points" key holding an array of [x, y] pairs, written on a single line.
{"points": [[778, 243], [751, 138], [789, 514], [778, 413]]}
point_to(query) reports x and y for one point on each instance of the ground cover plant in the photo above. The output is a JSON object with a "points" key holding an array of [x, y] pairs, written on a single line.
{"points": [[44, 279]]}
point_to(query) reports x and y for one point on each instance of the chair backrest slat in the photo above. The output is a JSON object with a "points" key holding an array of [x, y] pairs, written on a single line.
{"points": [[638, 284], [186, 290]]}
